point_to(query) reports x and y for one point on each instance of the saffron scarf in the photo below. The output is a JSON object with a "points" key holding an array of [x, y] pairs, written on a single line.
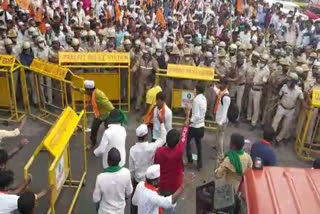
{"points": [[218, 100], [155, 189], [113, 169], [234, 158], [265, 142], [148, 119], [94, 104]]}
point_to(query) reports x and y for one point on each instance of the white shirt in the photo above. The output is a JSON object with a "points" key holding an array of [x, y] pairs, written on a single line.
{"points": [[6, 134], [199, 109], [222, 111], [8, 203], [142, 155], [149, 201], [167, 122], [114, 136], [111, 190]]}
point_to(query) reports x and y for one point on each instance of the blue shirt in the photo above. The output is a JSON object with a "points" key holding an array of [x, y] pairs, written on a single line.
{"points": [[265, 152], [26, 59]]}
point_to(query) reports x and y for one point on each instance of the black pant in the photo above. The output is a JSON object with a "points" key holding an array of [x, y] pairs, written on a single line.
{"points": [[197, 134], [94, 130]]}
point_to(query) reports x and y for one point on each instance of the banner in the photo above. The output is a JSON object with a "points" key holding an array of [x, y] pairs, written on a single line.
{"points": [[187, 98], [49, 69], [190, 72], [24, 4], [93, 57], [7, 60]]}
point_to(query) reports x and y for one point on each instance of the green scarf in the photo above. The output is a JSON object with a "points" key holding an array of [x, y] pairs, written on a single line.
{"points": [[233, 156], [112, 169]]}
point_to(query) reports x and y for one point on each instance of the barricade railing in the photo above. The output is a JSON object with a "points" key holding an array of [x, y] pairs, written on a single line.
{"points": [[10, 70], [182, 94], [52, 91], [56, 142], [307, 144], [110, 71]]}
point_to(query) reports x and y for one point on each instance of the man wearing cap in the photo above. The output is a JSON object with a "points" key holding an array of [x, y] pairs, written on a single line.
{"points": [[275, 83], [252, 67], [237, 77], [232, 55], [146, 196], [53, 54], [26, 58], [147, 65], [101, 107], [142, 154], [114, 136], [289, 94], [113, 186], [222, 66], [42, 52], [92, 45], [260, 77], [170, 159]]}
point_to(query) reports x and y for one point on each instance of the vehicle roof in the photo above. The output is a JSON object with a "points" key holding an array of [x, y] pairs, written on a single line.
{"points": [[282, 190]]}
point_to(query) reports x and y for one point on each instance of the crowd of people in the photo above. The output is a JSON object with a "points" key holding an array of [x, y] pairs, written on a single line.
{"points": [[266, 60]]}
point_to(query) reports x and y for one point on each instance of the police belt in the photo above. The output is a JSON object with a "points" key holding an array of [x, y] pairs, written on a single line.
{"points": [[286, 107], [241, 84], [256, 89]]}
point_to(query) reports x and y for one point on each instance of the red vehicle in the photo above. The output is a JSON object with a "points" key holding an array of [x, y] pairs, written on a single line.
{"points": [[313, 12], [279, 190]]}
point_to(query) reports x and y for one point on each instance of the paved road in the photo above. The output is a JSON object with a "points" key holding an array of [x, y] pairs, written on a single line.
{"points": [[36, 130]]}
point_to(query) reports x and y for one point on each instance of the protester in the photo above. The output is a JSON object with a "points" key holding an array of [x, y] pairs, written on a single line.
{"points": [[113, 186], [235, 162], [170, 159], [163, 111], [197, 123], [146, 196], [13, 133], [101, 108], [114, 137], [9, 198], [142, 154], [263, 148], [27, 201], [221, 111], [5, 156]]}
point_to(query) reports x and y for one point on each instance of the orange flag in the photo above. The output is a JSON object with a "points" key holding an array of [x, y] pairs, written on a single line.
{"points": [[38, 15], [5, 5], [117, 10], [160, 17], [108, 13], [149, 2], [239, 6]]}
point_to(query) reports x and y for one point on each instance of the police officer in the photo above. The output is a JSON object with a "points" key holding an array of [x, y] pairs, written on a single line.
{"points": [[222, 66], [289, 94], [260, 78], [147, 65], [251, 68], [92, 45], [276, 80], [237, 77]]}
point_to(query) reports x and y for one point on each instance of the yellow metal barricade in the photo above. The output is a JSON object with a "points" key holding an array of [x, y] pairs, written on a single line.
{"points": [[61, 79], [89, 65], [181, 97], [57, 144], [308, 129], [10, 69]]}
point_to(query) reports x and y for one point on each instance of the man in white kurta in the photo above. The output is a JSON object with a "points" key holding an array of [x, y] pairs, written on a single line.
{"points": [[146, 196], [113, 186], [114, 136]]}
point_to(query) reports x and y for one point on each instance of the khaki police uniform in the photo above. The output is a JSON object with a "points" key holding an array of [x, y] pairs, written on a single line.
{"points": [[285, 110]]}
